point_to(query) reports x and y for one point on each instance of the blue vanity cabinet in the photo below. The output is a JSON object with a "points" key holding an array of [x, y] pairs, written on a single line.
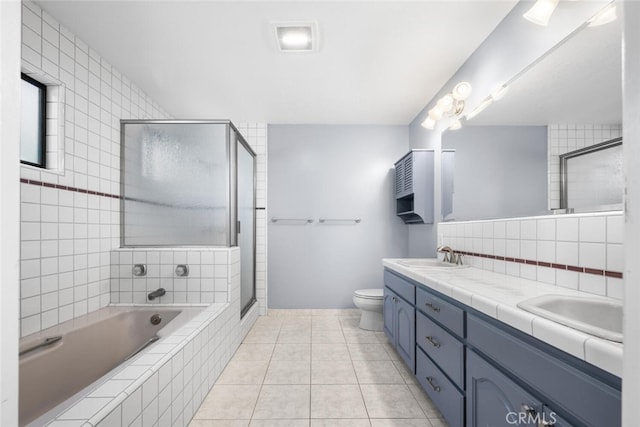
{"points": [[494, 400], [400, 317]]}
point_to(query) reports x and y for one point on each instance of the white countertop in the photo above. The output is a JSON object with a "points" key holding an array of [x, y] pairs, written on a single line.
{"points": [[497, 295]]}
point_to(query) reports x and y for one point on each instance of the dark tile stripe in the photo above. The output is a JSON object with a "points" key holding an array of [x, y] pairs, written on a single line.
{"points": [[67, 188]]}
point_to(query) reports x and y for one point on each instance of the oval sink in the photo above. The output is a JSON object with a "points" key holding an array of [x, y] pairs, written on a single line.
{"points": [[595, 316], [427, 263]]}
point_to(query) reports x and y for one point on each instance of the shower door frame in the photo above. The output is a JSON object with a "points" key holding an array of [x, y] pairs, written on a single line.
{"points": [[231, 154]]}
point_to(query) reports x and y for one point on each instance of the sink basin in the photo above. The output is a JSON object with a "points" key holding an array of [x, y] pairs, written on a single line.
{"points": [[595, 316], [427, 263]]}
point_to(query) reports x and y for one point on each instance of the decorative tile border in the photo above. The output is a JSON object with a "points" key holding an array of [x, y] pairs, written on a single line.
{"points": [[586, 270], [68, 188]]}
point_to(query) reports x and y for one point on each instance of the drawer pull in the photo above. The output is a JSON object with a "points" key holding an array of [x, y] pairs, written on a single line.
{"points": [[433, 307], [433, 341], [435, 387]]}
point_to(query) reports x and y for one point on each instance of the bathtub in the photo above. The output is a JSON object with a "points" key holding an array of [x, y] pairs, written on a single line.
{"points": [[71, 359]]}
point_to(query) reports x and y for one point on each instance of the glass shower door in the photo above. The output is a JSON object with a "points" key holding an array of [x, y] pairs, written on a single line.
{"points": [[246, 225]]}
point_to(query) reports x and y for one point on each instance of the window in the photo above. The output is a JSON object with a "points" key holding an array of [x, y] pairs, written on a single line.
{"points": [[33, 122]]}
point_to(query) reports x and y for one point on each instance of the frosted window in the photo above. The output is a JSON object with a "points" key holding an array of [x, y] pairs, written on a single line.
{"points": [[176, 184], [595, 178], [32, 125]]}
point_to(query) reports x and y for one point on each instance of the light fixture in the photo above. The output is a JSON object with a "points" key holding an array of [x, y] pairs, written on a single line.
{"points": [[450, 106], [296, 37], [605, 16], [484, 104], [541, 12], [499, 93]]}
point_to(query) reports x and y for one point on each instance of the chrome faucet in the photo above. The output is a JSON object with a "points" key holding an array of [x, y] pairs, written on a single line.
{"points": [[450, 255], [157, 293]]}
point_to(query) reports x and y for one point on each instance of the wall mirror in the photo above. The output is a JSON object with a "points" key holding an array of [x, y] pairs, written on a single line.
{"points": [[507, 158]]}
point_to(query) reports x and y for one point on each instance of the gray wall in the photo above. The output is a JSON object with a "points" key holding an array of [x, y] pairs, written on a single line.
{"points": [[332, 172], [500, 171]]}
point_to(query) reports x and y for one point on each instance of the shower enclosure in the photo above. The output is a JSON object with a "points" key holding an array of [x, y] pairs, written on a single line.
{"points": [[189, 184]]}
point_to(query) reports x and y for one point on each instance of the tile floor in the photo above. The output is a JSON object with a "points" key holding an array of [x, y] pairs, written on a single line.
{"points": [[316, 368]]}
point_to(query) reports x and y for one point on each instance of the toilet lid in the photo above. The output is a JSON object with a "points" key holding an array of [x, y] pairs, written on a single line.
{"points": [[369, 293]]}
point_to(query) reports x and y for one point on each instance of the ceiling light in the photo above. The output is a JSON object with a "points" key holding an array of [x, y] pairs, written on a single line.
{"points": [[297, 37], [605, 16], [541, 12], [429, 123], [461, 91], [450, 106], [484, 104]]}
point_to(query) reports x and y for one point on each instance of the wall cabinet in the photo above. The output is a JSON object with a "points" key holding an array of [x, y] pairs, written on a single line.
{"points": [[481, 372], [414, 183]]}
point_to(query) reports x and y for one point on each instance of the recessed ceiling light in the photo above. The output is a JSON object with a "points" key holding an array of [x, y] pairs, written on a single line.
{"points": [[297, 37]]}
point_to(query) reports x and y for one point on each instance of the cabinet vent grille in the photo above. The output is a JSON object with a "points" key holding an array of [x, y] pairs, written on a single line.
{"points": [[408, 173], [398, 180]]}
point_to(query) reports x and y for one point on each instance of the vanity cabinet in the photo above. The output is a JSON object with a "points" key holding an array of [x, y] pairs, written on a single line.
{"points": [[400, 317], [481, 372], [414, 183]]}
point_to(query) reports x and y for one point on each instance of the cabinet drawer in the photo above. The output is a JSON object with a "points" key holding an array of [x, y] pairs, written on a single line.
{"points": [[443, 348], [586, 398], [400, 286], [444, 312], [444, 394]]}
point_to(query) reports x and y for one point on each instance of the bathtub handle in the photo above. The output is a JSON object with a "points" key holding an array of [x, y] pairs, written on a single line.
{"points": [[142, 347], [47, 342]]}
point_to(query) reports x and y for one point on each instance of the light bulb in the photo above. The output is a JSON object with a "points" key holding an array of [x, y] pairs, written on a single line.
{"points": [[541, 12], [429, 123], [455, 124], [461, 91], [435, 113], [446, 103]]}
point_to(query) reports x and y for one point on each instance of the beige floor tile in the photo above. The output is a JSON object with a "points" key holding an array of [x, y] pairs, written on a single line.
{"points": [[294, 336], [254, 352], [327, 337], [219, 423], [360, 336], [352, 323], [244, 372], [296, 323], [363, 351], [289, 312], [288, 372], [427, 405], [377, 372], [280, 423], [406, 374], [262, 336], [268, 321], [337, 422], [398, 422], [337, 401], [390, 401], [325, 324], [292, 352], [330, 352], [283, 402], [438, 422], [391, 352], [337, 312], [230, 402], [332, 372]]}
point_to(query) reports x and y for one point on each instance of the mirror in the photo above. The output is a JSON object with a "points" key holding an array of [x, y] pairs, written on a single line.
{"points": [[507, 158]]}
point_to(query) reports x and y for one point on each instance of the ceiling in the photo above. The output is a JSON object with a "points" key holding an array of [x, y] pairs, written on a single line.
{"points": [[379, 62], [579, 82]]}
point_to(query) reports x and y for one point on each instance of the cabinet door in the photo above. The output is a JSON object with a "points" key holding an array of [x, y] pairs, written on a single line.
{"points": [[388, 313], [551, 419], [496, 401], [406, 332]]}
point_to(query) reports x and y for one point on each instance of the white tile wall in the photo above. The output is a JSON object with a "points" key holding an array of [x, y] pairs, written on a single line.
{"points": [[580, 241], [209, 279], [563, 138], [67, 235]]}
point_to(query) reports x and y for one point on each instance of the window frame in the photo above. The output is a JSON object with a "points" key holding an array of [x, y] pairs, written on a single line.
{"points": [[42, 122]]}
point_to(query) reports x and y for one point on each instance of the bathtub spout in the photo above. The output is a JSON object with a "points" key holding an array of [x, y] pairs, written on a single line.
{"points": [[157, 293]]}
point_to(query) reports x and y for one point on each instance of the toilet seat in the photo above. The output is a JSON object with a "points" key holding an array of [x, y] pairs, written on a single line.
{"points": [[374, 294]]}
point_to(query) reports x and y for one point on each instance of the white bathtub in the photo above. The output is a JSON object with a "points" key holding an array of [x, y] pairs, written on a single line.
{"points": [[84, 352]]}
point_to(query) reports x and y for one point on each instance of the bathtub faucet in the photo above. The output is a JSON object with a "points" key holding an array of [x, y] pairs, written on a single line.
{"points": [[157, 293]]}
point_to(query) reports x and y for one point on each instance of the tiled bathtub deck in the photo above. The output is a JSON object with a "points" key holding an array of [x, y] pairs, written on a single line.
{"points": [[315, 368]]}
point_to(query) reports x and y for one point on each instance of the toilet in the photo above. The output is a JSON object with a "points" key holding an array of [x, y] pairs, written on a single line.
{"points": [[369, 301]]}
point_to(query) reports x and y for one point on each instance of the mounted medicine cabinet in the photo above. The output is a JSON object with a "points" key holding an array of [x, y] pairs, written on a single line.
{"points": [[414, 187]]}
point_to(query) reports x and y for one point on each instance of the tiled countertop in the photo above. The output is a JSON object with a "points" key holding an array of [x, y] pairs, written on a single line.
{"points": [[497, 295]]}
